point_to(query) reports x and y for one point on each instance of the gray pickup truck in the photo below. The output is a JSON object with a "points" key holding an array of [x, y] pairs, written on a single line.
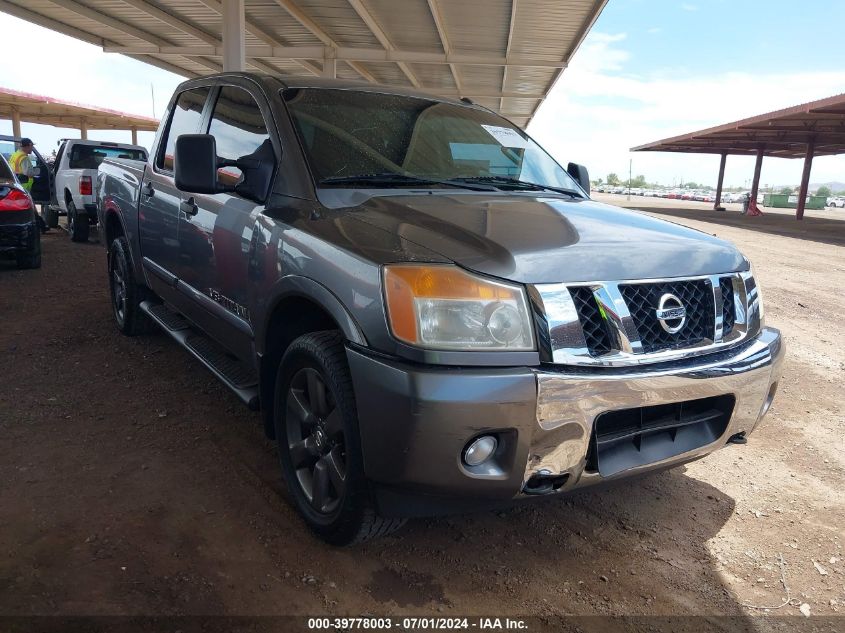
{"points": [[430, 312]]}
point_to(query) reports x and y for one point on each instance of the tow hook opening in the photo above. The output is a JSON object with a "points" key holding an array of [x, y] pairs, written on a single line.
{"points": [[738, 438], [544, 483]]}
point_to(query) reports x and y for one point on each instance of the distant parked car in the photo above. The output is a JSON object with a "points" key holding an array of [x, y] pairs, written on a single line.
{"points": [[837, 202], [19, 234]]}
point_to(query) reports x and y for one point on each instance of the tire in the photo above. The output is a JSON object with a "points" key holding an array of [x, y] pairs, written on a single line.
{"points": [[78, 226], [50, 215], [126, 295], [319, 444], [32, 259]]}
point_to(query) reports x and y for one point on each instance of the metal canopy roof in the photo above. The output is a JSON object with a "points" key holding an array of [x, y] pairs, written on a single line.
{"points": [[783, 133], [50, 111], [503, 54]]}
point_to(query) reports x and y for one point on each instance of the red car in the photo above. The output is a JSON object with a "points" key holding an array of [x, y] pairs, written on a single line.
{"points": [[19, 233]]}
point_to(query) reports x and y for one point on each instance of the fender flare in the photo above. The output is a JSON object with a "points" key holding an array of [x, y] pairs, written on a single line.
{"points": [[297, 286]]}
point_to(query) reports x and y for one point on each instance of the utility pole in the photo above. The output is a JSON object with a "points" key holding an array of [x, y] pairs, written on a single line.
{"points": [[153, 98], [630, 167]]}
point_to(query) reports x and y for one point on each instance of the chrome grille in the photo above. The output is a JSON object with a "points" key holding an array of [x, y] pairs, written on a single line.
{"points": [[696, 296], [728, 306], [614, 323], [595, 327]]}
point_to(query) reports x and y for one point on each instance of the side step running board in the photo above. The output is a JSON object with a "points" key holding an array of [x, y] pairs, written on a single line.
{"points": [[233, 373]]}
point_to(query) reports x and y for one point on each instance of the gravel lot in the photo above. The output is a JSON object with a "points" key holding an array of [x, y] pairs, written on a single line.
{"points": [[132, 483]]}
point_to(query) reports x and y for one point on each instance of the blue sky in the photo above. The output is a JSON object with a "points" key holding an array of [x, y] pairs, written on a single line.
{"points": [[649, 69]]}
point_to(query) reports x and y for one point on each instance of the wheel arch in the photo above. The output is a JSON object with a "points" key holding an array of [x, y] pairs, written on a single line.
{"points": [[299, 306]]}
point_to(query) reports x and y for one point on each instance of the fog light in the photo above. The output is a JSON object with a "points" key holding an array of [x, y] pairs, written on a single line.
{"points": [[480, 450]]}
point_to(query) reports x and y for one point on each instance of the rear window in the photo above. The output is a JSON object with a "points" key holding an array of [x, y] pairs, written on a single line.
{"points": [[5, 170], [90, 156]]}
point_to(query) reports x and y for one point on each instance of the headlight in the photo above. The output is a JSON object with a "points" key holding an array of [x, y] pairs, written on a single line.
{"points": [[443, 307]]}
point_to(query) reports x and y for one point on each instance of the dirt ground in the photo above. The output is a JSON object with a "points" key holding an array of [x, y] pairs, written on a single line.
{"points": [[131, 482]]}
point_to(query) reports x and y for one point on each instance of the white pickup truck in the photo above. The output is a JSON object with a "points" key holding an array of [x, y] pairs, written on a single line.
{"points": [[74, 175]]}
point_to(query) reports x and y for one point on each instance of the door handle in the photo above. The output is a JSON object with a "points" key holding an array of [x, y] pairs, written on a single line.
{"points": [[147, 189], [189, 207]]}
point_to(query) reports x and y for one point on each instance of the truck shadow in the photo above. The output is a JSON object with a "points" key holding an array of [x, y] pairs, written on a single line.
{"points": [[637, 546]]}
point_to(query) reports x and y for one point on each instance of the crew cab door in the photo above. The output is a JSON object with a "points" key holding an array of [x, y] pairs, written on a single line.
{"points": [[159, 199], [42, 182], [54, 170], [216, 231]]}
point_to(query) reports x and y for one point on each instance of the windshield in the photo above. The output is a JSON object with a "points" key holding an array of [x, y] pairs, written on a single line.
{"points": [[349, 135], [90, 156]]}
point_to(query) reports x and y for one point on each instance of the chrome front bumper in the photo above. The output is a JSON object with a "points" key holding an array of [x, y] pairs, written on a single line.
{"points": [[569, 401]]}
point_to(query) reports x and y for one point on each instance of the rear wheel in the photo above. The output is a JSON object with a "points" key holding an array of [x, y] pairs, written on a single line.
{"points": [[319, 447], [77, 225], [31, 258], [126, 294]]}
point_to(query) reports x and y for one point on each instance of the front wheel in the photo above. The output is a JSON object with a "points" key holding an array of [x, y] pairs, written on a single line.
{"points": [[319, 446], [78, 226], [126, 294]]}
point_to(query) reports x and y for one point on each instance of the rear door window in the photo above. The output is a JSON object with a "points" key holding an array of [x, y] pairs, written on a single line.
{"points": [[186, 119]]}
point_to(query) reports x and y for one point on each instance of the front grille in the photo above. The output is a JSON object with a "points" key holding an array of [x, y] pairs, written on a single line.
{"points": [[635, 437], [592, 322], [695, 295], [728, 306]]}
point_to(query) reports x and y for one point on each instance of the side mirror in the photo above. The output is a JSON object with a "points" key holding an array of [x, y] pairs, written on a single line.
{"points": [[195, 164], [580, 175]]}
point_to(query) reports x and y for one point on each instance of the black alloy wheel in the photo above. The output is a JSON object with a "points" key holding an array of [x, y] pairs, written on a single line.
{"points": [[316, 441], [316, 425], [118, 289]]}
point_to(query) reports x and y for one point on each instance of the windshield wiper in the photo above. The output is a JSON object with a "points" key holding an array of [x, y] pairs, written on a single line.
{"points": [[394, 179], [515, 182]]}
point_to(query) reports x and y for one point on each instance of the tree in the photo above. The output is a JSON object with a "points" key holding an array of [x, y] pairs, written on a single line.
{"points": [[598, 182], [824, 191], [613, 179], [639, 182], [787, 191]]}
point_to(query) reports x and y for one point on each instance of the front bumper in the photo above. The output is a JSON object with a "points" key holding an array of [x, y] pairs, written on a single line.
{"points": [[415, 421], [18, 237]]}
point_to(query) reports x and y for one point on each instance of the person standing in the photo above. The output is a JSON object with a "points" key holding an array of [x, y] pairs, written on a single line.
{"points": [[21, 164]]}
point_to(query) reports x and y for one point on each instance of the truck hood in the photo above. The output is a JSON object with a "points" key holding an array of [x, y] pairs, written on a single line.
{"points": [[547, 239]]}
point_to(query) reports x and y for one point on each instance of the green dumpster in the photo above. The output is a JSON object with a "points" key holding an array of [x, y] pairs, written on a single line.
{"points": [[784, 201]]}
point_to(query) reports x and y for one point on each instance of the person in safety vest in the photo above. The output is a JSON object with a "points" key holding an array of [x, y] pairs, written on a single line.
{"points": [[21, 164]]}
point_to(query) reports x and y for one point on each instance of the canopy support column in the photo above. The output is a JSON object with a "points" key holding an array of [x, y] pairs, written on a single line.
{"points": [[758, 168], [805, 179], [16, 123], [83, 129], [721, 181], [330, 67], [134, 136], [234, 35]]}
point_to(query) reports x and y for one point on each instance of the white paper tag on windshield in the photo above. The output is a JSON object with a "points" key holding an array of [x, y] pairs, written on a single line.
{"points": [[506, 136]]}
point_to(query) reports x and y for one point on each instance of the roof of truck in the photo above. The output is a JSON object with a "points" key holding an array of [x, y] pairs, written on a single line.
{"points": [[336, 84]]}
